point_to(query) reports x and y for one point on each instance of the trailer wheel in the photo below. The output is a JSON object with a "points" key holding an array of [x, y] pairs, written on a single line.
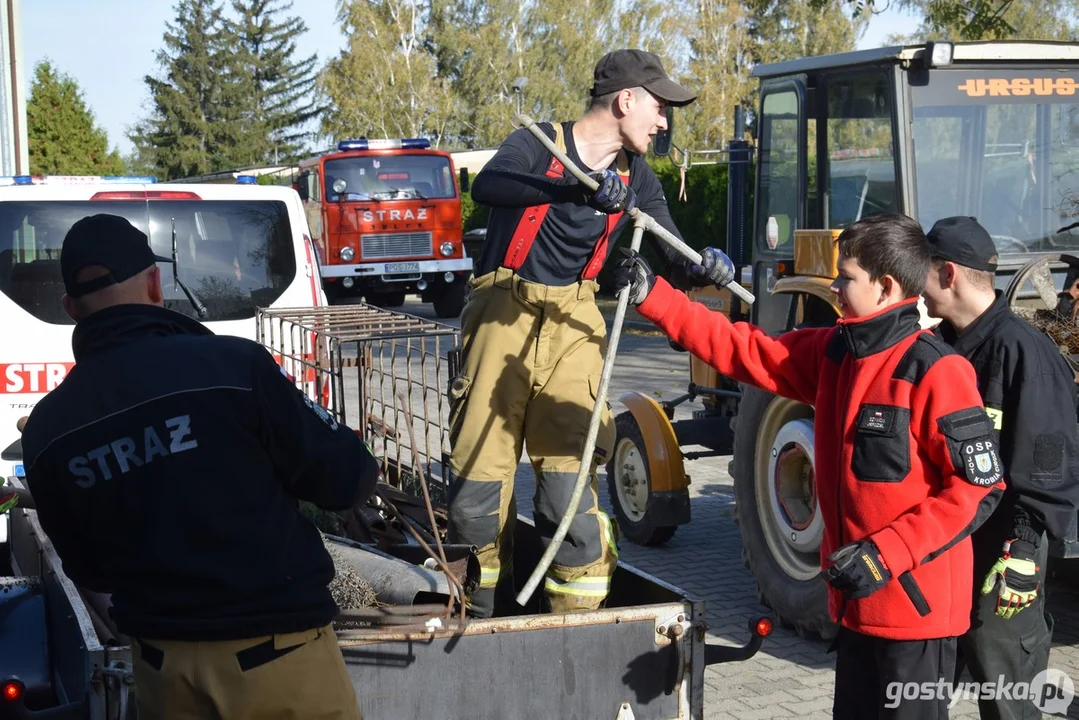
{"points": [[628, 483], [451, 301], [777, 512]]}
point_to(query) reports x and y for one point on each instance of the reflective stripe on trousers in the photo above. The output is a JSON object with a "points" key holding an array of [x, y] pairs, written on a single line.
{"points": [[585, 587]]}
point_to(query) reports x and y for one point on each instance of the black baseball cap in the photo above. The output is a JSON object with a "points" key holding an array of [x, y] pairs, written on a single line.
{"points": [[636, 68], [963, 241], [110, 241]]}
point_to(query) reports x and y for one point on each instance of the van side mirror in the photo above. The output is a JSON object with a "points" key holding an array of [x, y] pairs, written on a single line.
{"points": [[464, 180], [661, 144], [301, 185]]}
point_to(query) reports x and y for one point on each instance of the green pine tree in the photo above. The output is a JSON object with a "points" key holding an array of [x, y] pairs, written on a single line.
{"points": [[185, 133], [271, 94], [63, 138]]}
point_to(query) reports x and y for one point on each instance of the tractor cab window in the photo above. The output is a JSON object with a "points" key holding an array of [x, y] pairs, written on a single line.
{"points": [[1002, 146], [860, 175]]}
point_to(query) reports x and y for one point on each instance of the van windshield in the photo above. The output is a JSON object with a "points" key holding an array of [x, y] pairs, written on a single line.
{"points": [[235, 255]]}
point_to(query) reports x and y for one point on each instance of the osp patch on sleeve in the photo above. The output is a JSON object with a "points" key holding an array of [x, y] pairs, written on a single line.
{"points": [[972, 443], [323, 414], [982, 462]]}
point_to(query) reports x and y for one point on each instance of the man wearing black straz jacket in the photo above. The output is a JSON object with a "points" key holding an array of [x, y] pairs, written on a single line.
{"points": [[1029, 391]]}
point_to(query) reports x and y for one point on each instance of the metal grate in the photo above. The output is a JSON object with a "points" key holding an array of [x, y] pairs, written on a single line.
{"points": [[396, 245], [373, 369]]}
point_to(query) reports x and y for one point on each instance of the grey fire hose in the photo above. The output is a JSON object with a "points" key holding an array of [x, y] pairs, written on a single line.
{"points": [[641, 222]]}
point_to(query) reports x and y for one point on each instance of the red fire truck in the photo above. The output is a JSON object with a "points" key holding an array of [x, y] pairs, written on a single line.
{"points": [[386, 220]]}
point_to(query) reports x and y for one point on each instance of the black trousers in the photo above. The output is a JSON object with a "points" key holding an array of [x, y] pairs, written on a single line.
{"points": [[894, 679], [1002, 651]]}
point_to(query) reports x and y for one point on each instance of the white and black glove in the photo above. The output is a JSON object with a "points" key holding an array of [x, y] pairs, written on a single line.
{"points": [[633, 271], [1014, 578], [612, 195], [715, 269]]}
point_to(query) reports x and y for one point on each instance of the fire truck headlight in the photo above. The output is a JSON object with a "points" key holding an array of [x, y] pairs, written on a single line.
{"points": [[347, 254], [446, 249]]}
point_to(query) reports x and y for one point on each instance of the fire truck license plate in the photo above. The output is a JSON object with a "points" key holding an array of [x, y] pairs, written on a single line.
{"points": [[402, 267]]}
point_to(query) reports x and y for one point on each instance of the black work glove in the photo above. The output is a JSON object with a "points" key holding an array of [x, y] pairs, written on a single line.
{"points": [[715, 269], [633, 271], [858, 570], [612, 195]]}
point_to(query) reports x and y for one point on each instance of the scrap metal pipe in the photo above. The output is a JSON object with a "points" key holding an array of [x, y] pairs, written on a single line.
{"points": [[394, 581]]}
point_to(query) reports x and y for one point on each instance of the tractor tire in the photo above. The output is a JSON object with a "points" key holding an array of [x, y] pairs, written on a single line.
{"points": [[787, 573], [451, 301], [628, 468]]}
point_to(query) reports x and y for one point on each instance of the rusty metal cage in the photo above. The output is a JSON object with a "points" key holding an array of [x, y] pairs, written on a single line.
{"points": [[382, 373]]}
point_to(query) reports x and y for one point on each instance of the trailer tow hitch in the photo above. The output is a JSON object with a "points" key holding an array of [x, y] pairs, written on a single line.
{"points": [[759, 629], [119, 676]]}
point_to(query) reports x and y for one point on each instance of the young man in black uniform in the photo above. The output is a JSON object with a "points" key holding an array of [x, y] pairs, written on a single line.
{"points": [[533, 339], [1029, 391], [166, 470]]}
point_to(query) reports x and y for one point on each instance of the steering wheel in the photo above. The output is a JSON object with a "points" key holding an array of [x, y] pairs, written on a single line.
{"points": [[1039, 274]]}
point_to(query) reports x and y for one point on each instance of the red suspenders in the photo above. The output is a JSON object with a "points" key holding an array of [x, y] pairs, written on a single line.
{"points": [[595, 264], [528, 227]]}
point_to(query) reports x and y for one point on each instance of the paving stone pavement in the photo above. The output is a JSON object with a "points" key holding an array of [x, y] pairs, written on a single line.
{"points": [[790, 677]]}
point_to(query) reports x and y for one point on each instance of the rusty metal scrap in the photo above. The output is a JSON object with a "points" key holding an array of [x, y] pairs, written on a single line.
{"points": [[382, 373], [1061, 330]]}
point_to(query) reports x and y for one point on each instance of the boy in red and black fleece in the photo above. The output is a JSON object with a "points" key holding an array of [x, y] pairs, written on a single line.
{"points": [[906, 461]]}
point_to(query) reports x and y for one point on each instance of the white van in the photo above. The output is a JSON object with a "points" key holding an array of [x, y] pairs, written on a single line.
{"points": [[237, 248]]}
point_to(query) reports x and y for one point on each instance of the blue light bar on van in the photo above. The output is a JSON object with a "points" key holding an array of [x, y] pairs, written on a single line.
{"points": [[77, 180], [385, 144], [246, 180], [121, 179]]}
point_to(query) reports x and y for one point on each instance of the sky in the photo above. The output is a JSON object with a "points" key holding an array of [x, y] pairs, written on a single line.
{"points": [[108, 46]]}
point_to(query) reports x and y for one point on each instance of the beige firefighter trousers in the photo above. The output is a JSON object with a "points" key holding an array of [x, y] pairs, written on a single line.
{"points": [[286, 676], [530, 370]]}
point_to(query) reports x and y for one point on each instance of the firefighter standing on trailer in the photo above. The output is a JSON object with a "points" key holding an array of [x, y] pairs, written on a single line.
{"points": [[166, 470], [1029, 391], [533, 338]]}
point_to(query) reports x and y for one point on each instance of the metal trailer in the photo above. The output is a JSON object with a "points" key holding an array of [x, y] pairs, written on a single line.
{"points": [[642, 656]]}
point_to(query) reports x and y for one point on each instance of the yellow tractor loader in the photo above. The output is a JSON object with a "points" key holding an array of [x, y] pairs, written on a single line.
{"points": [[989, 130]]}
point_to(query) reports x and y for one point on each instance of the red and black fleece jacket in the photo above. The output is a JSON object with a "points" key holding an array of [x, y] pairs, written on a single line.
{"points": [[905, 453]]}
